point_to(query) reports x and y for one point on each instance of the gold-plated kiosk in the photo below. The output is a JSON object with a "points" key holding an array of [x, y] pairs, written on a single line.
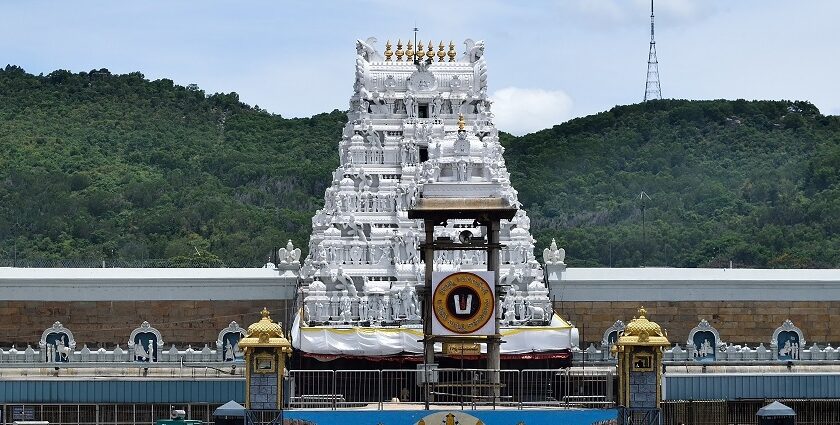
{"points": [[639, 351], [266, 350]]}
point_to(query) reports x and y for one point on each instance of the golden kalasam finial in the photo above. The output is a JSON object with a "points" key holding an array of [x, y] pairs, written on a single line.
{"points": [[450, 419], [430, 52], [441, 54], [461, 122], [265, 313], [400, 52], [388, 52], [451, 53], [419, 51], [642, 312], [409, 52]]}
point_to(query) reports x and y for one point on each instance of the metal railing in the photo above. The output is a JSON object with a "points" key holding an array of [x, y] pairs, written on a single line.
{"points": [[742, 412], [102, 414], [467, 388]]}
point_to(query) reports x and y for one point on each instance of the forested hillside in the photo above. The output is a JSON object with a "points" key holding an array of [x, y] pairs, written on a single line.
{"points": [[116, 167], [754, 183]]}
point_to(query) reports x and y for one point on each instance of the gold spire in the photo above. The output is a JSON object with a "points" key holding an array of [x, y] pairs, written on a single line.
{"points": [[430, 52], [642, 312], [451, 53], [441, 54], [409, 52], [265, 313], [420, 52], [400, 52], [461, 122], [388, 52]]}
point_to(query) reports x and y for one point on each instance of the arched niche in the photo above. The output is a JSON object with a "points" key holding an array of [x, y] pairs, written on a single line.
{"points": [[705, 340], [788, 341], [57, 343], [228, 342], [145, 343], [611, 336]]}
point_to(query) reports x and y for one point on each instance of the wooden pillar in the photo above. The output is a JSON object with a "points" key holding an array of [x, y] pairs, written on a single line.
{"points": [[429, 253], [494, 355], [428, 340]]}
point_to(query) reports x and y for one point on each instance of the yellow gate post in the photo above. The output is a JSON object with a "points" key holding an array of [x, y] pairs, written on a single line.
{"points": [[265, 350], [639, 351]]}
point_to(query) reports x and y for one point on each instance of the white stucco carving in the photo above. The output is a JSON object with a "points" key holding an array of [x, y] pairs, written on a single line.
{"points": [[402, 138]]}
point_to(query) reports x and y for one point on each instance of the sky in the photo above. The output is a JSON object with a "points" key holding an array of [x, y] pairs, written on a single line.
{"points": [[548, 61]]}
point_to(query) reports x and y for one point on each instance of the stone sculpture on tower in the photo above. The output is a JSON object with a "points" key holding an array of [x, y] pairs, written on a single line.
{"points": [[364, 264]]}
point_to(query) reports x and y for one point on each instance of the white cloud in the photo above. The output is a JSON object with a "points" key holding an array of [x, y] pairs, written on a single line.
{"points": [[520, 111]]}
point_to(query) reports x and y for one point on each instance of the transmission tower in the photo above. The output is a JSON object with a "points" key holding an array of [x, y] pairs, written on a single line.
{"points": [[652, 90]]}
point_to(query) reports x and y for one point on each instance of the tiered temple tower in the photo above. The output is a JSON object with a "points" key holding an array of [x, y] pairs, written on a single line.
{"points": [[364, 263]]}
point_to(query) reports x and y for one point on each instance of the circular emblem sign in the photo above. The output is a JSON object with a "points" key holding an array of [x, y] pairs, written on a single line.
{"points": [[463, 303]]}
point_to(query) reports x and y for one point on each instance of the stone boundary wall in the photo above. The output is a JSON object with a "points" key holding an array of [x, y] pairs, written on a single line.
{"points": [[108, 323], [739, 322]]}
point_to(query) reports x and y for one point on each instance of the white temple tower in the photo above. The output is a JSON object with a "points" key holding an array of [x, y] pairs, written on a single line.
{"points": [[364, 260]]}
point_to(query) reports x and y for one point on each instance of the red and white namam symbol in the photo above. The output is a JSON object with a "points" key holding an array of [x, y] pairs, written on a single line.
{"points": [[463, 303]]}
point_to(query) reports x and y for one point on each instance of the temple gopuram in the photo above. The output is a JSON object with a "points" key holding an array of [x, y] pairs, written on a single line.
{"points": [[420, 120]]}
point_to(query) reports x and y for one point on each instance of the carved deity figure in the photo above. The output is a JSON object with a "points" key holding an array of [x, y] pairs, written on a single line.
{"points": [[140, 352], [462, 169], [364, 309], [410, 242], [410, 105], [229, 351], [509, 306], [378, 309], [395, 306], [320, 312], [346, 304], [437, 106], [521, 308], [408, 300]]}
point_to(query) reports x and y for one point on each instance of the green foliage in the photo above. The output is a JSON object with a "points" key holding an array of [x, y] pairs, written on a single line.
{"points": [[754, 183], [96, 165], [104, 166]]}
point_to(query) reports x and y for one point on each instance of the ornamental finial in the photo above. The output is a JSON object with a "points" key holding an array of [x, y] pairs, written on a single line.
{"points": [[420, 52], [642, 312], [430, 52], [461, 122], [409, 52], [265, 313], [388, 52], [441, 54], [400, 51], [451, 53]]}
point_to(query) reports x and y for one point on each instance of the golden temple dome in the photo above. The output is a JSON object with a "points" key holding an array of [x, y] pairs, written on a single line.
{"points": [[641, 331], [265, 328], [265, 333]]}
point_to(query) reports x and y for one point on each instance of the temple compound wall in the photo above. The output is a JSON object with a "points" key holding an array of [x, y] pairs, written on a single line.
{"points": [[739, 322], [744, 305], [102, 306], [108, 323]]}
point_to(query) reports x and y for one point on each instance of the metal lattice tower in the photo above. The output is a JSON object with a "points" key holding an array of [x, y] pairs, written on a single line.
{"points": [[652, 89]]}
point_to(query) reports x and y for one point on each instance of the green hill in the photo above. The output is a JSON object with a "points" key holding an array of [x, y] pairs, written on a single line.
{"points": [[755, 183], [116, 167]]}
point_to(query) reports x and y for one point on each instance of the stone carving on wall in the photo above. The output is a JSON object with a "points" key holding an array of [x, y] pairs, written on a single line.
{"points": [[228, 342], [144, 343], [364, 265], [611, 335], [788, 342], [704, 342], [57, 343], [289, 254], [553, 254]]}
